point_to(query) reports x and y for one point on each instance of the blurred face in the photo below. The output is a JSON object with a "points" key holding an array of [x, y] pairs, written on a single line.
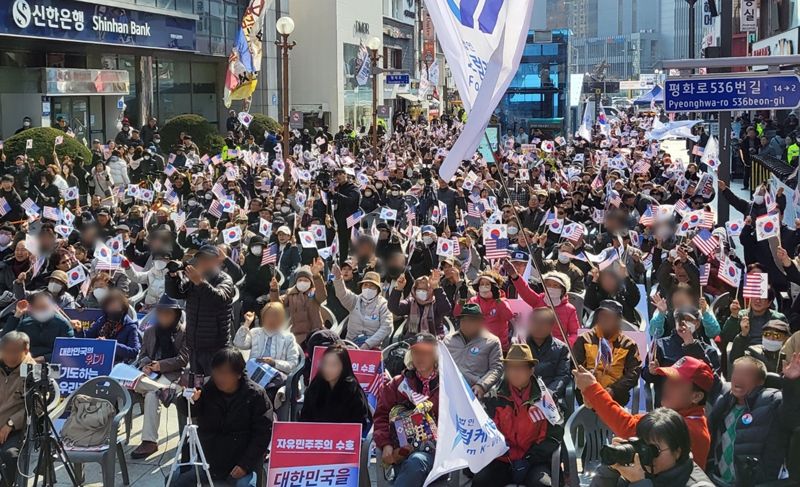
{"points": [[681, 300], [540, 325], [744, 379], [165, 317], [759, 305], [225, 378], [518, 375], [331, 368], [272, 319], [13, 353], [471, 325], [20, 252], [608, 322], [423, 357], [679, 394]]}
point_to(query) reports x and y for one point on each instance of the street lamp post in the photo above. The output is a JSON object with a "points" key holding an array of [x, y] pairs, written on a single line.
{"points": [[285, 26], [374, 44]]}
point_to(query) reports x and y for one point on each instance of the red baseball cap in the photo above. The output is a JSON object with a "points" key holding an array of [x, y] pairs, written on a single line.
{"points": [[692, 370]]}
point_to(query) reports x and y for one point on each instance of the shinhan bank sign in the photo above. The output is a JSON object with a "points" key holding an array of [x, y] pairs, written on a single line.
{"points": [[464, 11]]}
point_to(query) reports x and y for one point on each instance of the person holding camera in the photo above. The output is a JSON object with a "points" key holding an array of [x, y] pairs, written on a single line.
{"points": [[39, 319], [209, 296], [14, 351], [657, 457], [347, 198], [532, 435]]}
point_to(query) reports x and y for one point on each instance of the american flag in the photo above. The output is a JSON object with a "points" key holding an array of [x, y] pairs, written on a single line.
{"points": [[376, 385], [573, 232], [707, 220], [756, 285], [597, 182], [270, 255], [30, 207], [4, 207], [456, 247], [705, 273], [705, 242], [496, 248], [614, 199], [604, 354], [353, 219], [215, 209], [113, 265], [411, 215], [219, 191], [647, 219], [681, 207], [472, 210]]}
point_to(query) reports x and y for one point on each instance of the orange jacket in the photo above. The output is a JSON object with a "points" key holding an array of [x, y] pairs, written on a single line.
{"points": [[623, 423]]}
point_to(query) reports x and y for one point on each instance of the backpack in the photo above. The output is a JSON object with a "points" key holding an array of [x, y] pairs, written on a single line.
{"points": [[89, 422]]}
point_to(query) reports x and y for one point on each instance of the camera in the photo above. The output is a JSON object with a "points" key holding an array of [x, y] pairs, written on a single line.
{"points": [[174, 266], [623, 453], [323, 178], [39, 372]]}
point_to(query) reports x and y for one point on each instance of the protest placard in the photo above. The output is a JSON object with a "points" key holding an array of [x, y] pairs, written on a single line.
{"points": [[82, 359]]}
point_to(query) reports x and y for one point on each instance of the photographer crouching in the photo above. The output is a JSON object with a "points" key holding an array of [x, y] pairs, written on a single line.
{"points": [[657, 457], [209, 293], [14, 350]]}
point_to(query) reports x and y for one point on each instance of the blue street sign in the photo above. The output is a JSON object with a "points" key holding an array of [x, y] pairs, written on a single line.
{"points": [[398, 79], [727, 93]]}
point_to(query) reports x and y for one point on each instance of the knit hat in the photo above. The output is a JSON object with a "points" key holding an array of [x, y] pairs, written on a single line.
{"points": [[559, 277], [304, 271]]}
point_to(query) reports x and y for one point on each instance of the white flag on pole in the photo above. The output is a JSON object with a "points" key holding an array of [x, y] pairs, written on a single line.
{"points": [[483, 43], [467, 436]]}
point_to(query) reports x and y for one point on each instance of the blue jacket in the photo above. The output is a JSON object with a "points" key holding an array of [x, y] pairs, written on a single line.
{"points": [[128, 341]]}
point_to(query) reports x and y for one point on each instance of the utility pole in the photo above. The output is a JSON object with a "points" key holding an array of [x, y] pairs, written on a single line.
{"points": [[691, 27], [724, 173]]}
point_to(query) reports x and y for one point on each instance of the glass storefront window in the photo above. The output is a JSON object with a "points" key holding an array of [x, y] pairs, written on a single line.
{"points": [[216, 20], [174, 89]]}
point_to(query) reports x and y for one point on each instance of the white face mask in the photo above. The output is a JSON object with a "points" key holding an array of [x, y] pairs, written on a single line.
{"points": [[554, 295], [100, 293], [369, 293], [427, 240], [485, 291], [54, 287], [159, 265], [256, 250], [513, 230], [5, 239], [421, 295], [771, 345], [42, 316], [563, 258], [691, 326], [303, 286]]}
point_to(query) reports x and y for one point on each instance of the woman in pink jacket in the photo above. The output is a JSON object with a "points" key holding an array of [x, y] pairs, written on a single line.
{"points": [[556, 287], [494, 306]]}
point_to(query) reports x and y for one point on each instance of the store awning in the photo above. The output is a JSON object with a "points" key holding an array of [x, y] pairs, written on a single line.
{"points": [[409, 97]]}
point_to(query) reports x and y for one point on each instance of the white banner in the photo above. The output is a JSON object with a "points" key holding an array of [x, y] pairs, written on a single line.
{"points": [[467, 435], [748, 22], [483, 43]]}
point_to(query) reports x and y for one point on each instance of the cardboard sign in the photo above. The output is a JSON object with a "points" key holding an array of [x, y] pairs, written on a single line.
{"points": [[81, 360]]}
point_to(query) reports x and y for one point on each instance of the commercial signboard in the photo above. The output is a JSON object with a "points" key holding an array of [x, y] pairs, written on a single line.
{"points": [[783, 44], [74, 21]]}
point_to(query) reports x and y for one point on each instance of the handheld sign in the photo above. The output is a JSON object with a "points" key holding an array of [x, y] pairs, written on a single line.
{"points": [[81, 360]]}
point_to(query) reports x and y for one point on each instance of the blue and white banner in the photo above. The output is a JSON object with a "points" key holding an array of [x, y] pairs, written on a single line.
{"points": [[483, 43], [467, 436]]}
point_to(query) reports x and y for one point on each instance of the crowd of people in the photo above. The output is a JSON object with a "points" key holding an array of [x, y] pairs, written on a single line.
{"points": [[584, 270]]}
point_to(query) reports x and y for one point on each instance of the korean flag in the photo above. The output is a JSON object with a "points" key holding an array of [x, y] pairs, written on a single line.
{"points": [[388, 214], [319, 233], [444, 247], [232, 234], [307, 240], [76, 275], [767, 226], [734, 227], [71, 193], [264, 227]]}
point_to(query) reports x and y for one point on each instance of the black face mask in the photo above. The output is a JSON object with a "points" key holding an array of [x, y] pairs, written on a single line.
{"points": [[115, 316], [394, 272]]}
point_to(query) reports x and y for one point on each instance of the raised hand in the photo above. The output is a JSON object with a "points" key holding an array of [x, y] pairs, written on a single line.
{"points": [[659, 302], [511, 271], [744, 324], [791, 368], [783, 257], [401, 282], [21, 308], [436, 277], [337, 271], [273, 284]]}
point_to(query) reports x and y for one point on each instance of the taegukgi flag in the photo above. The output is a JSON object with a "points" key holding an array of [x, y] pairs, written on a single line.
{"points": [[467, 436], [483, 43]]}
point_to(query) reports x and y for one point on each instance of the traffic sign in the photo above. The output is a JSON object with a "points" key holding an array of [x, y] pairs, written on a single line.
{"points": [[296, 120], [729, 93], [398, 79], [383, 111]]}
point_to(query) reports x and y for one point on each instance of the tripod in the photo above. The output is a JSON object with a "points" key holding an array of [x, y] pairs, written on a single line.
{"points": [[47, 439], [197, 458]]}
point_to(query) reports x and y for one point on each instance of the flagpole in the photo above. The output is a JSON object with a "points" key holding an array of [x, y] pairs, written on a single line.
{"points": [[536, 266]]}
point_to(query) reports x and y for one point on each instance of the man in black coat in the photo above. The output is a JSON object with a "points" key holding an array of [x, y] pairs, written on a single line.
{"points": [[209, 296], [234, 423], [553, 354], [348, 199], [13, 209]]}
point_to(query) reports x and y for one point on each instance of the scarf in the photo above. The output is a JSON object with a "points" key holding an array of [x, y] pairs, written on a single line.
{"points": [[165, 343], [110, 329], [420, 313], [426, 383], [18, 267], [520, 397]]}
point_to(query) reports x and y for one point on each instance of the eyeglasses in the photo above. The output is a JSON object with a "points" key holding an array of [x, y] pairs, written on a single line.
{"points": [[774, 335]]}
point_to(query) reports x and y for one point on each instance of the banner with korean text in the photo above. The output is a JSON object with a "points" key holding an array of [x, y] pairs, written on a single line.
{"points": [[82, 359], [320, 454]]}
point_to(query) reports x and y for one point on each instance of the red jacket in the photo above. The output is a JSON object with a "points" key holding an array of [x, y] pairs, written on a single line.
{"points": [[532, 440], [383, 432], [567, 314], [497, 315], [623, 423]]}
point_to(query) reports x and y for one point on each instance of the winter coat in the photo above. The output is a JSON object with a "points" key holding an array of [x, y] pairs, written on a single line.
{"points": [[234, 430], [128, 344], [670, 349], [479, 360], [391, 396], [283, 350], [528, 439], [441, 308], [153, 278], [208, 310], [41, 335], [101, 183], [497, 316], [554, 367], [303, 308], [684, 474], [170, 367], [627, 296], [622, 374], [367, 318], [566, 312]]}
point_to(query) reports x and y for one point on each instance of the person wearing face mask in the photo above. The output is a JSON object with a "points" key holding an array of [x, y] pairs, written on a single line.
{"points": [[6, 241], [98, 290], [303, 300], [683, 342], [370, 200], [153, 278], [116, 324], [347, 198], [774, 335], [56, 286], [26, 124], [493, 304], [750, 322], [39, 320], [288, 254], [556, 287], [370, 321], [16, 264], [563, 263], [209, 296], [12, 197], [256, 276], [425, 258], [663, 321], [426, 306]]}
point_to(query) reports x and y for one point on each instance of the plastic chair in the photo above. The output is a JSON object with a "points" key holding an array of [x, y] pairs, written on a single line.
{"points": [[641, 321], [720, 307], [341, 327], [109, 389], [584, 435], [289, 410], [236, 311], [328, 316], [398, 333], [576, 299], [136, 293]]}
